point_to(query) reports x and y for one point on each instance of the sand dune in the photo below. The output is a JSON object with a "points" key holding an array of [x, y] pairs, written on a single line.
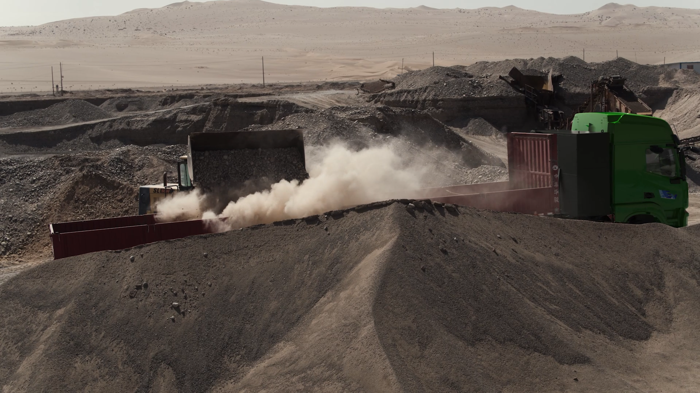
{"points": [[223, 42]]}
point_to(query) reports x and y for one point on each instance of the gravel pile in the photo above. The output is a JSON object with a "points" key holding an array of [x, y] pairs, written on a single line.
{"points": [[38, 190], [66, 112], [429, 77], [480, 127], [226, 170], [448, 82], [386, 297], [485, 174]]}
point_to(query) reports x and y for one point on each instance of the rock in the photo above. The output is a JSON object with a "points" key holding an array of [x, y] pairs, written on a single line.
{"points": [[131, 258], [205, 255]]}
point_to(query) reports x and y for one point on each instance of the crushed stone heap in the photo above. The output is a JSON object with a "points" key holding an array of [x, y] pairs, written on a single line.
{"points": [[386, 297]]}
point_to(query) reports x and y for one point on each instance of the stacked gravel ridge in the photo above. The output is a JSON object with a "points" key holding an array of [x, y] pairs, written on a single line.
{"points": [[390, 297], [66, 112]]}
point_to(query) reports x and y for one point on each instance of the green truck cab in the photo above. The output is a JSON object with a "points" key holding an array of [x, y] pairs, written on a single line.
{"points": [[644, 165]]}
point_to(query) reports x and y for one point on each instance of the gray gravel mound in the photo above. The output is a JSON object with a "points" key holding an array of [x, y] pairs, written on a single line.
{"points": [[446, 82], [38, 190], [66, 112], [381, 298]]}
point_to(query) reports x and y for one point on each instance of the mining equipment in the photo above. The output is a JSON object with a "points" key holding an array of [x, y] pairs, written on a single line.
{"points": [[539, 95], [615, 167], [609, 94], [198, 143]]}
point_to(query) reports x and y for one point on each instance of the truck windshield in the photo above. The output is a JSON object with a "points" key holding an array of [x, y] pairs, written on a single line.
{"points": [[184, 175], [663, 163]]}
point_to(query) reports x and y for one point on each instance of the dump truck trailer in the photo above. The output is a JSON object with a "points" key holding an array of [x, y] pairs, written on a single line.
{"points": [[214, 159], [614, 167]]}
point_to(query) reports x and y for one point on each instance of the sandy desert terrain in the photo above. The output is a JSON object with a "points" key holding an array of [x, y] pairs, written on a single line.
{"points": [[223, 42], [387, 296]]}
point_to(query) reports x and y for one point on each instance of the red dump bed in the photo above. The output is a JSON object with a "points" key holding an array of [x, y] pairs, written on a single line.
{"points": [[533, 185], [533, 188], [82, 237]]}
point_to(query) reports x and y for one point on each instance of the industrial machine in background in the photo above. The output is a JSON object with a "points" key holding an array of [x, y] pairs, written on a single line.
{"points": [[540, 96], [615, 167], [609, 94]]}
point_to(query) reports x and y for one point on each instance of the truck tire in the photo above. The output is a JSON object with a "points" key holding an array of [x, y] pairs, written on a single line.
{"points": [[642, 219]]}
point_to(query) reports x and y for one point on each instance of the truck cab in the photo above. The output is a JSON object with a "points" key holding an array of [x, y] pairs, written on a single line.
{"points": [[646, 167], [150, 195]]}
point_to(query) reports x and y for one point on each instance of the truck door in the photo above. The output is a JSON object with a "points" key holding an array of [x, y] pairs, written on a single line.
{"points": [[648, 185]]}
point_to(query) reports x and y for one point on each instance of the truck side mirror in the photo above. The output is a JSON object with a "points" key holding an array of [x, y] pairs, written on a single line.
{"points": [[656, 149], [681, 156]]}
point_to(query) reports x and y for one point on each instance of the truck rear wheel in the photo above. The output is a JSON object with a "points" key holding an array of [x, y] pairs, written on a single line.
{"points": [[642, 219]]}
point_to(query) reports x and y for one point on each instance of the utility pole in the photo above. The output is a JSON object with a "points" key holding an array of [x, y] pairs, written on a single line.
{"points": [[664, 60], [263, 70], [433, 59], [53, 89], [617, 54], [61, 65], [584, 55], [402, 65]]}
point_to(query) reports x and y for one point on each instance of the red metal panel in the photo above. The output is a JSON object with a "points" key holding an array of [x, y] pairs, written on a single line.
{"points": [[83, 242], [82, 237], [465, 189], [531, 159], [128, 221], [528, 201]]}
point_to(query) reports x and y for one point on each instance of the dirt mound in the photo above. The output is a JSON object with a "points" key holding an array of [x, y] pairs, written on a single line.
{"points": [[448, 82], [562, 305], [38, 190], [66, 112]]}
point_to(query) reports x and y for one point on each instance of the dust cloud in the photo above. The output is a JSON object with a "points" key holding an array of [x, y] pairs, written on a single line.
{"points": [[338, 178]]}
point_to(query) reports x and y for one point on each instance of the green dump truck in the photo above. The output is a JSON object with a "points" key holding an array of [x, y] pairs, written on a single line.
{"points": [[609, 167]]}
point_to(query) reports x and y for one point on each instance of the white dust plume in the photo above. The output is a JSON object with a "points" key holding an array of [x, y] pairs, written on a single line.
{"points": [[338, 178]]}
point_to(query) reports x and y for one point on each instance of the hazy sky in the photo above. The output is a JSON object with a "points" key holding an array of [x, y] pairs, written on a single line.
{"points": [[35, 12]]}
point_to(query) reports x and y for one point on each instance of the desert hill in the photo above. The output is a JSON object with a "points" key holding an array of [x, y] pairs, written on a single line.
{"points": [[223, 42]]}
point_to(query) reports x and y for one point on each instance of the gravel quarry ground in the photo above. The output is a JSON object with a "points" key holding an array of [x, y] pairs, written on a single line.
{"points": [[384, 298], [375, 298]]}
